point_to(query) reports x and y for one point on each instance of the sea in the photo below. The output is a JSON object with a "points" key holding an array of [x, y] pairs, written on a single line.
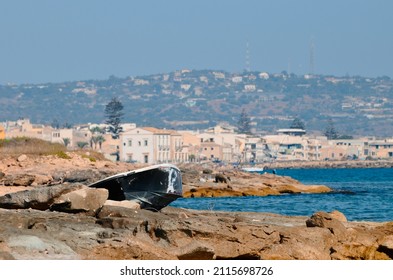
{"points": [[361, 194]]}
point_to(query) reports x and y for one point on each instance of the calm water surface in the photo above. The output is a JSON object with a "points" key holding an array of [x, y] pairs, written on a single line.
{"points": [[361, 194]]}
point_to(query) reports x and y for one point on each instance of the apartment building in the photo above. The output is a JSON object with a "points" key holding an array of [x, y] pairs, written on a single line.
{"points": [[380, 149], [70, 137], [152, 145]]}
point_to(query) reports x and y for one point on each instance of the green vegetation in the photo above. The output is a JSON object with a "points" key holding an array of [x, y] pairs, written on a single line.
{"points": [[30, 146], [63, 155], [114, 113], [330, 131], [243, 125], [297, 123], [92, 159]]}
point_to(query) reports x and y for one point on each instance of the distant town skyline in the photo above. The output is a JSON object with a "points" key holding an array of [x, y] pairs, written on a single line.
{"points": [[55, 41]]}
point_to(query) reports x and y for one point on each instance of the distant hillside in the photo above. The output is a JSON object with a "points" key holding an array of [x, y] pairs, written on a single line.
{"points": [[190, 99]]}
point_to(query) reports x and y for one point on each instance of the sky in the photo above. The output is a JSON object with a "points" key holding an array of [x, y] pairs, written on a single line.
{"points": [[66, 40]]}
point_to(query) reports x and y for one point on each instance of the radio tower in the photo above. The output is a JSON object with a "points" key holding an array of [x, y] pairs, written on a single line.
{"points": [[248, 68], [312, 49]]}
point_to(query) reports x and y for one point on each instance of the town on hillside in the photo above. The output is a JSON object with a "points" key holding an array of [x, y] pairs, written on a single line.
{"points": [[196, 99], [219, 144]]}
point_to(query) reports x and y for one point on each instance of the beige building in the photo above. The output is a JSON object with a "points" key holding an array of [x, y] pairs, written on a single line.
{"points": [[24, 128], [152, 145], [2, 132], [211, 150], [380, 149], [70, 136]]}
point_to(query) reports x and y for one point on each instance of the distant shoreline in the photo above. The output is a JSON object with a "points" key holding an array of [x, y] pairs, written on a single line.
{"points": [[325, 164]]}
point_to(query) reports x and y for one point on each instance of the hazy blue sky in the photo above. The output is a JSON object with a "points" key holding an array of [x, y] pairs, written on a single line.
{"points": [[63, 40]]}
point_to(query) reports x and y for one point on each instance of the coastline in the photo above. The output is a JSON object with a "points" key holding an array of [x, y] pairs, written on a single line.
{"points": [[326, 164], [119, 231]]}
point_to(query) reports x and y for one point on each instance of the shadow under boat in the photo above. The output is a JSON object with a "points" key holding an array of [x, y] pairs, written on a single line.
{"points": [[154, 187]]}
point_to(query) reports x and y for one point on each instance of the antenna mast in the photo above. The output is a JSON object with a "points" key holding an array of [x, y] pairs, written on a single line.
{"points": [[248, 68], [312, 61]]}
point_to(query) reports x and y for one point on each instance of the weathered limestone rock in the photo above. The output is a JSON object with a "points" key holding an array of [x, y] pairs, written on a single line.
{"points": [[338, 216], [42, 179], [195, 251], [386, 246], [238, 183], [18, 180], [124, 203], [40, 198], [81, 200], [325, 220], [24, 247], [124, 233], [22, 158]]}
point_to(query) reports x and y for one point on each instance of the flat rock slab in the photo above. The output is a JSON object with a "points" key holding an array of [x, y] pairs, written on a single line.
{"points": [[40, 198]]}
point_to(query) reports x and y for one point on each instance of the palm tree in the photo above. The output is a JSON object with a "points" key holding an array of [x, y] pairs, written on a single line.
{"points": [[82, 145], [97, 139], [100, 140], [66, 141]]}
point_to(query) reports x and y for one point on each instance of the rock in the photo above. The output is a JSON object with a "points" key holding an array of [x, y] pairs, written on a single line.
{"points": [[123, 233], [43, 179], [325, 220], [81, 176], [22, 158], [18, 180], [40, 198], [220, 178], [338, 216], [26, 246], [1, 175], [386, 246], [195, 251], [124, 203], [6, 256], [80, 200]]}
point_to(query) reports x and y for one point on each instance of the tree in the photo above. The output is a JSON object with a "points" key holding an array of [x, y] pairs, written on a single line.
{"points": [[82, 145], [66, 141], [243, 125], [297, 123], [330, 131], [114, 113], [97, 139]]}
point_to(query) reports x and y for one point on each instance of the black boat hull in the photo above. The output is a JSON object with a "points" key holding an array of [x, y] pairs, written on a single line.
{"points": [[153, 187]]}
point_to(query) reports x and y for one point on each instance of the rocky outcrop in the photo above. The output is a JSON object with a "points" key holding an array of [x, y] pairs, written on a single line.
{"points": [[231, 182], [124, 233], [54, 215], [66, 198]]}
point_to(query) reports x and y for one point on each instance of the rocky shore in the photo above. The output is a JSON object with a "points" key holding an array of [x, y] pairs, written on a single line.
{"points": [[47, 212]]}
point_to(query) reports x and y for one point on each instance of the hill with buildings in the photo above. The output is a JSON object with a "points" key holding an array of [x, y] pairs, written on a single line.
{"points": [[194, 99]]}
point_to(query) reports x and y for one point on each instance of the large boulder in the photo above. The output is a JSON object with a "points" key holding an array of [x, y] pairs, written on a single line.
{"points": [[325, 220], [80, 200], [40, 198]]}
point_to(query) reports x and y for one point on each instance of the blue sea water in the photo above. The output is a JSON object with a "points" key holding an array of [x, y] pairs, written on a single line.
{"points": [[361, 194]]}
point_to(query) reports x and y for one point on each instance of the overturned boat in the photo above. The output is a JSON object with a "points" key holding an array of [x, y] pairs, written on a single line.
{"points": [[153, 187]]}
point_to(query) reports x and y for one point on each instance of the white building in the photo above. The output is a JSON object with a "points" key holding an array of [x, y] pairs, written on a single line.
{"points": [[152, 145]]}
